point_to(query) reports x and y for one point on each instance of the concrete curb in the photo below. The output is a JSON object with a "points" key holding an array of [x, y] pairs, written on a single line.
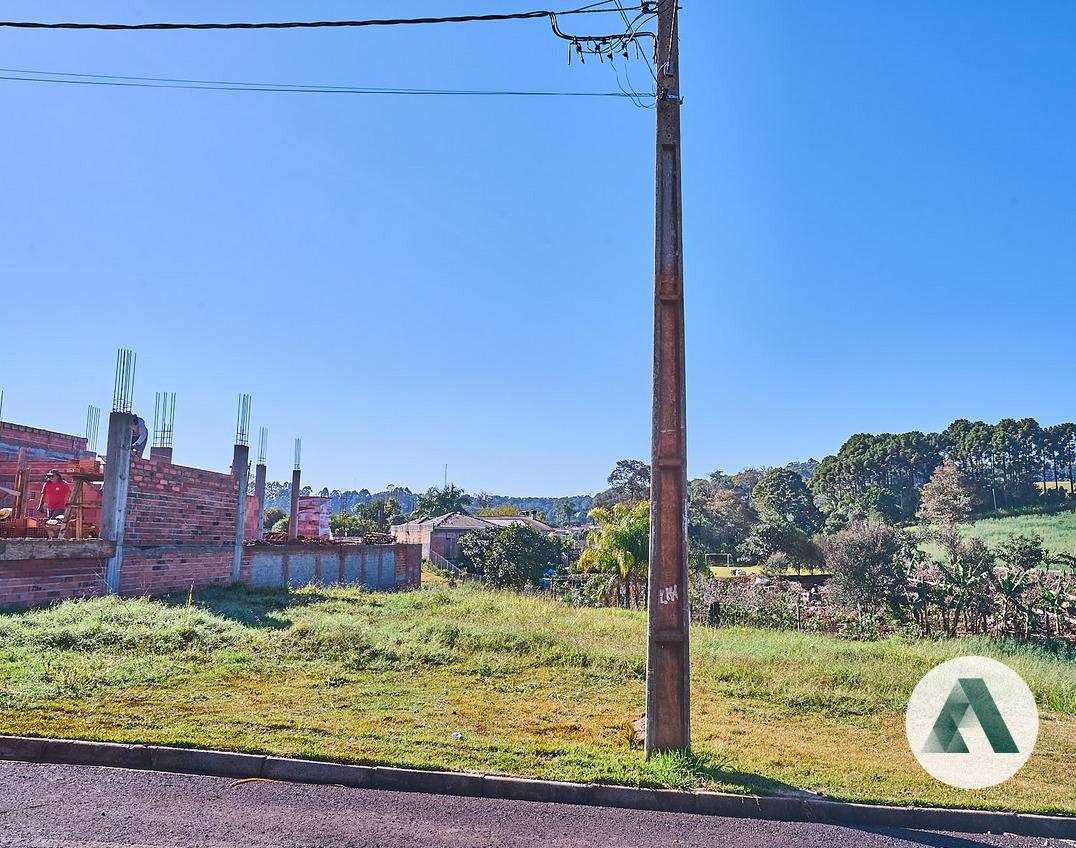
{"points": [[226, 764]]}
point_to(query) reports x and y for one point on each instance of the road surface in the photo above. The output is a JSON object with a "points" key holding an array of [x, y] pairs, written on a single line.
{"points": [[52, 806]]}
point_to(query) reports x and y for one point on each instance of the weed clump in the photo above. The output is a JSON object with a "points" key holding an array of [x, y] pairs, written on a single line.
{"points": [[110, 624]]}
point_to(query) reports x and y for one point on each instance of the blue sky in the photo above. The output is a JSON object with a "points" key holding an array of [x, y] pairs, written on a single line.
{"points": [[879, 219]]}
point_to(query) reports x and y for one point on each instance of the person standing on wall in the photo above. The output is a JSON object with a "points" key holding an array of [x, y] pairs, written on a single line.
{"points": [[139, 436], [54, 495]]}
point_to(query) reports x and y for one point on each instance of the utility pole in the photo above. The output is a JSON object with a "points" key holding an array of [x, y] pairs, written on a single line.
{"points": [[668, 723]]}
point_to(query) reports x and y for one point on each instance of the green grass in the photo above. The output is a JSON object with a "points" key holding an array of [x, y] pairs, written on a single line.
{"points": [[1058, 531], [532, 687], [724, 571]]}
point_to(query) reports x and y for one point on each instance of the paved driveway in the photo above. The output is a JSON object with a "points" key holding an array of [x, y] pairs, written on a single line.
{"points": [[51, 806]]}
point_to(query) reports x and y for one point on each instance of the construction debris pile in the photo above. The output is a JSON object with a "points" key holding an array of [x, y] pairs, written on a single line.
{"points": [[281, 538]]}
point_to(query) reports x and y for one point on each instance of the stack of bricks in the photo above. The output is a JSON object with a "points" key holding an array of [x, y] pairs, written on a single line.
{"points": [[180, 528], [314, 514]]}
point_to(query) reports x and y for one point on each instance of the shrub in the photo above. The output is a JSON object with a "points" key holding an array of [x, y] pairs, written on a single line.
{"points": [[511, 557], [870, 563]]}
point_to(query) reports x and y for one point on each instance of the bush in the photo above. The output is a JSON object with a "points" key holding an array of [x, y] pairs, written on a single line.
{"points": [[510, 557], [780, 605], [870, 562], [775, 535], [271, 516]]}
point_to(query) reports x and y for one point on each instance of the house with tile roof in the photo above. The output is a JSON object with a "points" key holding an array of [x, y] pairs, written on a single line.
{"points": [[440, 535]]}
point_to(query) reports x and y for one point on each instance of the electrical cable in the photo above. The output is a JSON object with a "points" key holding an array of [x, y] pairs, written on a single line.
{"points": [[507, 16], [192, 85], [599, 45]]}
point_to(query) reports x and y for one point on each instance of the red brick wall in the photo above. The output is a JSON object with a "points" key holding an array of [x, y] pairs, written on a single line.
{"points": [[39, 443], [41, 581], [408, 566], [314, 514], [253, 518], [180, 528]]}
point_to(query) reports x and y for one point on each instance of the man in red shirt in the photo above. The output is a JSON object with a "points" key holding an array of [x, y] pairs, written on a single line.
{"points": [[54, 495]]}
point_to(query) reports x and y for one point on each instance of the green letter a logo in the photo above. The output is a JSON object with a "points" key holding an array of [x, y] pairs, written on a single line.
{"points": [[969, 693]]}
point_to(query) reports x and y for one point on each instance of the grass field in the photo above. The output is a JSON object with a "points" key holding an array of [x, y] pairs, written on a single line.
{"points": [[531, 687], [1050, 486], [729, 570], [1058, 531]]}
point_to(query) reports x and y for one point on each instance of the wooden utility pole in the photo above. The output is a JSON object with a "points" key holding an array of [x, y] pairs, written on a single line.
{"points": [[668, 723]]}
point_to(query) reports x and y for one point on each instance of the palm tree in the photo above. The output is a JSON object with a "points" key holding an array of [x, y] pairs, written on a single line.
{"points": [[618, 551], [440, 501], [568, 511]]}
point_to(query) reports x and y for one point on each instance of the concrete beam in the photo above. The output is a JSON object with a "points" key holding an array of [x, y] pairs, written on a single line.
{"points": [[12, 550]]}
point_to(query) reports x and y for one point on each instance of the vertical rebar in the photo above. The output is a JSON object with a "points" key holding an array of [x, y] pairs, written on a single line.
{"points": [[263, 444], [242, 421], [93, 423], [123, 390], [164, 419]]}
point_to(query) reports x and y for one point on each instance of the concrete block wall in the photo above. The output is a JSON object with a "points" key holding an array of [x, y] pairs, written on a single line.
{"points": [[374, 567], [180, 528]]}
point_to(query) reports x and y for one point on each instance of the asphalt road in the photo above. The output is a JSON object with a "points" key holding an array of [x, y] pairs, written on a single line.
{"points": [[51, 806]]}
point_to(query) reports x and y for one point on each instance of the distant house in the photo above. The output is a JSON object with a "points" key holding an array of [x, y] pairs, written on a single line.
{"points": [[440, 535], [507, 520]]}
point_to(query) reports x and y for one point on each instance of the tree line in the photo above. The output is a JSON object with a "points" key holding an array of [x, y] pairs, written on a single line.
{"points": [[1011, 465]]}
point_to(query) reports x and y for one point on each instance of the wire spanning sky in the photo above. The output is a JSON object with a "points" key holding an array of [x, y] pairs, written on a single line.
{"points": [[878, 234]]}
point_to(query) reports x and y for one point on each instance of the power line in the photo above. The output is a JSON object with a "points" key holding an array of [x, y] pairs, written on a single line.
{"points": [[273, 86], [597, 45], [455, 19], [6, 74]]}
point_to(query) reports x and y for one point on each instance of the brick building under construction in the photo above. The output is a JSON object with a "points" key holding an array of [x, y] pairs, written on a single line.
{"points": [[137, 526]]}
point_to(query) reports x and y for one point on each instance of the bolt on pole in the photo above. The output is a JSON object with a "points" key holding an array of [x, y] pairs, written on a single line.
{"points": [[668, 709]]}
